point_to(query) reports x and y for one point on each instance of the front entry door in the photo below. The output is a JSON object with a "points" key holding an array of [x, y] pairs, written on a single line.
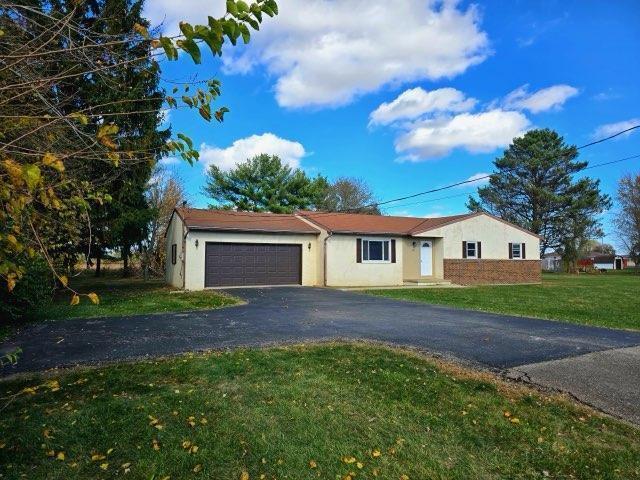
{"points": [[426, 259]]}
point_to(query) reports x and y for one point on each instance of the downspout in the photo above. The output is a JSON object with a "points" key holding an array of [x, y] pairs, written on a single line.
{"points": [[185, 232], [325, 257]]}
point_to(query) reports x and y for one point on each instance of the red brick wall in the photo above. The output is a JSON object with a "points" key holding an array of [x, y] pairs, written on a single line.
{"points": [[472, 272]]}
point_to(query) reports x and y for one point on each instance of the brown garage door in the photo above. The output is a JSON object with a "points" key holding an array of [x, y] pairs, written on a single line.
{"points": [[232, 264]]}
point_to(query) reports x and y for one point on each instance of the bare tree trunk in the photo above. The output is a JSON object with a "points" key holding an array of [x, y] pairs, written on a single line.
{"points": [[125, 261], [98, 263]]}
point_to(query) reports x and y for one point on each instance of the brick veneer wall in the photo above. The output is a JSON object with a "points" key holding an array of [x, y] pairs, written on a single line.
{"points": [[472, 271]]}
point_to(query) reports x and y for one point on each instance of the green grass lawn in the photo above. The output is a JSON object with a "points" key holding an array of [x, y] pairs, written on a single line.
{"points": [[325, 411], [130, 296], [608, 300]]}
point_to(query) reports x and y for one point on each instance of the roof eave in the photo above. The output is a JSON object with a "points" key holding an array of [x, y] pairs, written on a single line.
{"points": [[260, 230]]}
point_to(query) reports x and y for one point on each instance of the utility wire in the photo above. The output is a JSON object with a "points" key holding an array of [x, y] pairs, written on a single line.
{"points": [[446, 187], [433, 190]]}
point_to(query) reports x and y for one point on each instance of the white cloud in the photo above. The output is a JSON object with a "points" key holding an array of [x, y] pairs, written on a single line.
{"points": [[415, 102], [169, 13], [609, 129], [475, 132], [477, 179], [326, 53], [226, 158], [166, 161], [544, 99]]}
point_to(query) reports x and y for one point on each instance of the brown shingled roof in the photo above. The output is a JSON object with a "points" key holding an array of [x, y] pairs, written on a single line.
{"points": [[204, 219], [377, 224]]}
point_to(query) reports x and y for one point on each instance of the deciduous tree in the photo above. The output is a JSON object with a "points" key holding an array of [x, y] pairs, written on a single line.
{"points": [[348, 194], [628, 219], [53, 131]]}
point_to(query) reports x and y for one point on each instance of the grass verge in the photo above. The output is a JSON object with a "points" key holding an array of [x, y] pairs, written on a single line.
{"points": [[131, 296], [326, 411], [606, 300]]}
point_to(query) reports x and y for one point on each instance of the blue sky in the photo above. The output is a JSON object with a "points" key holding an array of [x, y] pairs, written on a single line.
{"points": [[412, 95]]}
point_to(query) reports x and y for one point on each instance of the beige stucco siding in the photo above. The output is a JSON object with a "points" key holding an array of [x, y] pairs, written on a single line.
{"points": [[344, 271], [173, 273], [494, 235], [195, 256], [411, 258]]}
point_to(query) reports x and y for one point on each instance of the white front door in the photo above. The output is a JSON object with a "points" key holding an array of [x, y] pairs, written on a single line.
{"points": [[426, 259]]}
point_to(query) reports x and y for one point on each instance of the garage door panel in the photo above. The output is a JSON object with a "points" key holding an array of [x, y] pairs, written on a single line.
{"points": [[230, 264]]}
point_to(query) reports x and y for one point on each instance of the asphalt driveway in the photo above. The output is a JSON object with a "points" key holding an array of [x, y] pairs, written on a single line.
{"points": [[297, 314]]}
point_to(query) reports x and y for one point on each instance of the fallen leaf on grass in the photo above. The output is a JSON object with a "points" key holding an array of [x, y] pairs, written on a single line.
{"points": [[349, 459], [244, 475], [312, 464], [97, 456], [197, 468], [104, 466], [60, 456], [376, 453]]}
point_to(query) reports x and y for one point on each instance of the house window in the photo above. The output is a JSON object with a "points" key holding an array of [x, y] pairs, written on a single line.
{"points": [[375, 251], [472, 249], [174, 253], [516, 250]]}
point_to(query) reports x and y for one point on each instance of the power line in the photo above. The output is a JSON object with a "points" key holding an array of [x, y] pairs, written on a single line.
{"points": [[446, 187], [452, 185]]}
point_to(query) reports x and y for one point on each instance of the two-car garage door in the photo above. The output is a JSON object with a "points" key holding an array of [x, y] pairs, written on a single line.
{"points": [[234, 264]]}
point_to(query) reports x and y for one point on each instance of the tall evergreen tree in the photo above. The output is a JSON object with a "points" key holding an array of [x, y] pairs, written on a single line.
{"points": [[264, 184], [534, 186], [122, 223]]}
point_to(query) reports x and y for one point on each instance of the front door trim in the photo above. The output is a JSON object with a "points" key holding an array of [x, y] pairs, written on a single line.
{"points": [[426, 258]]}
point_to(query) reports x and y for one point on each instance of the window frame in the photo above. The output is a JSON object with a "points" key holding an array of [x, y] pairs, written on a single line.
{"points": [[365, 249], [475, 249], [513, 254], [174, 253]]}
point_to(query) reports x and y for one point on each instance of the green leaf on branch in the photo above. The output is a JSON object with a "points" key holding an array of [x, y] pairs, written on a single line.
{"points": [[191, 47], [186, 29], [80, 118], [220, 114], [242, 6], [205, 112], [232, 8], [185, 139], [141, 30], [169, 49], [31, 175]]}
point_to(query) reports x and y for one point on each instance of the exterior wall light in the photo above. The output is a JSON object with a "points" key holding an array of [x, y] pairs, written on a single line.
{"points": [[196, 243], [309, 246]]}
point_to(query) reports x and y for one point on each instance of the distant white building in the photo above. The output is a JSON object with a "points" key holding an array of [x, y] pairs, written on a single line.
{"points": [[551, 262]]}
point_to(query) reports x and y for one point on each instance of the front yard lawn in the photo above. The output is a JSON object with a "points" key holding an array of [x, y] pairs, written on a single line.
{"points": [[325, 411], [607, 300], [131, 296]]}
